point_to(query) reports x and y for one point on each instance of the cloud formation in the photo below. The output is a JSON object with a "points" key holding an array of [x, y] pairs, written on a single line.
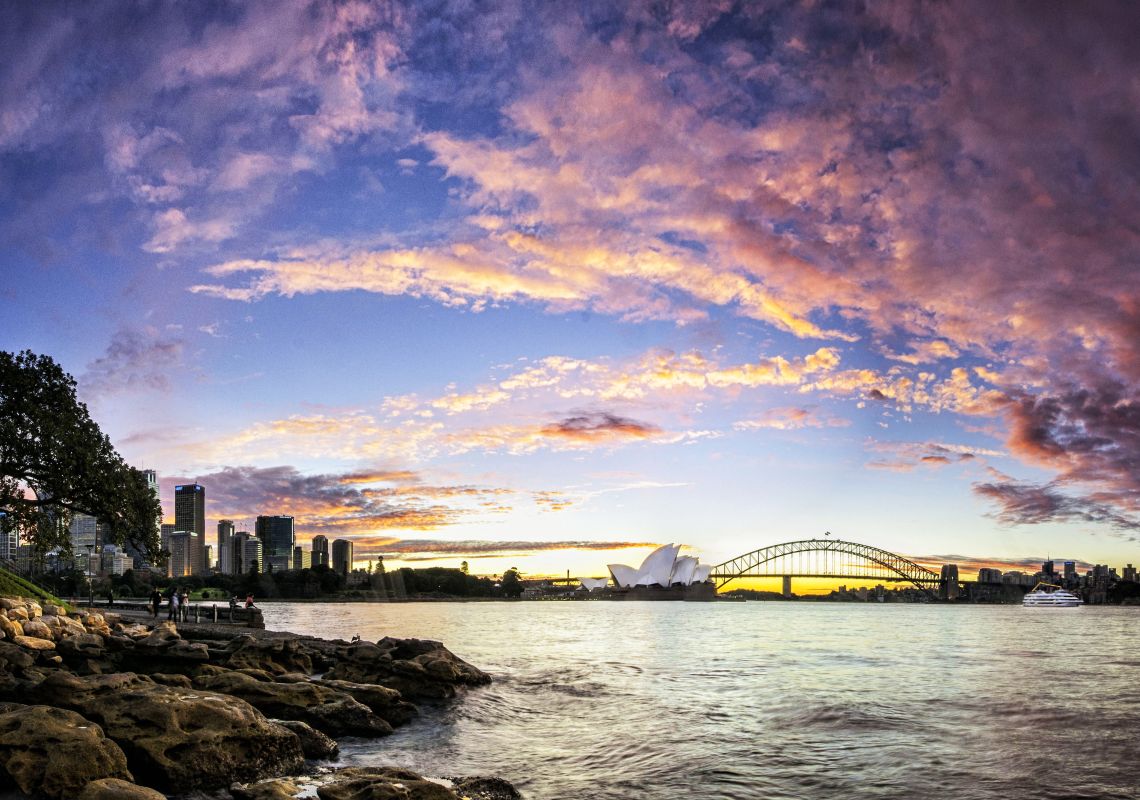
{"points": [[135, 359]]}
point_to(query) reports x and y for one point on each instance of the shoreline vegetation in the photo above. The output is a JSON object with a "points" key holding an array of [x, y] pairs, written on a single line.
{"points": [[102, 706]]}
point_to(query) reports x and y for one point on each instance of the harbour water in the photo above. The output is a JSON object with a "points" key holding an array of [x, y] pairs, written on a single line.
{"points": [[769, 700]]}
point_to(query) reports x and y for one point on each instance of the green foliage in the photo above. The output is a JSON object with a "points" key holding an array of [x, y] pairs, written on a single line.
{"points": [[12, 585], [54, 462], [511, 583]]}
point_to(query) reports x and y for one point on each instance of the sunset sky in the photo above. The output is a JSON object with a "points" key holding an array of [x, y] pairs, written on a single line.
{"points": [[546, 285]]}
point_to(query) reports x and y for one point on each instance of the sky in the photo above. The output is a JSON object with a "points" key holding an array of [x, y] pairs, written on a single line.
{"points": [[546, 285]]}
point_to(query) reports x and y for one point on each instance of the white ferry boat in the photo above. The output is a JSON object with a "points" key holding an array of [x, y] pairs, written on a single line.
{"points": [[1058, 598]]}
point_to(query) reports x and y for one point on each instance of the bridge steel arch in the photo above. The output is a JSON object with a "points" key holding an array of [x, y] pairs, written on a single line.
{"points": [[794, 560]]}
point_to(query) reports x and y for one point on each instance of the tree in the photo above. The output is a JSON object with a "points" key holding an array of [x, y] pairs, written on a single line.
{"points": [[511, 583], [55, 462], [464, 568]]}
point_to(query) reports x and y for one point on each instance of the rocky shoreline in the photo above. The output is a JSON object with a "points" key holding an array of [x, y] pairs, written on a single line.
{"points": [[101, 707]]}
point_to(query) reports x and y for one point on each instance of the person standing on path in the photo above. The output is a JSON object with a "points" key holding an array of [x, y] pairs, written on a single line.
{"points": [[172, 611], [155, 602], [184, 603]]}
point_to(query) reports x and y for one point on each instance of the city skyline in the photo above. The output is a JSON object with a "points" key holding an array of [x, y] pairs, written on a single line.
{"points": [[547, 289]]}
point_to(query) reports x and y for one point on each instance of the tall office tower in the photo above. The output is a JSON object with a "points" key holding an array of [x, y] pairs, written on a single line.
{"points": [[85, 532], [238, 564], [9, 540], [277, 542], [141, 559], [252, 554], [1047, 568], [342, 556], [1070, 572], [181, 545], [320, 551], [225, 535], [302, 558], [190, 516]]}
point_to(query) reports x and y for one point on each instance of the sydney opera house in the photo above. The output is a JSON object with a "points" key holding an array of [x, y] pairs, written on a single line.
{"points": [[663, 575]]}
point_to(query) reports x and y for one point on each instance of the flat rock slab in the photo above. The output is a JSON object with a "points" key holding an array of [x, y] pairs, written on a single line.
{"points": [[114, 789]]}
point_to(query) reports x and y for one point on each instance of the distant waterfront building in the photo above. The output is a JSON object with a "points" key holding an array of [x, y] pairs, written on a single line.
{"points": [[277, 542], [190, 516], [141, 559], [1130, 573], [987, 575], [9, 540], [225, 545], [342, 556], [320, 551], [1047, 569], [238, 563]]}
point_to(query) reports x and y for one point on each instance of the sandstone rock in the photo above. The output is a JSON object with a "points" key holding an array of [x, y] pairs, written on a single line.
{"points": [[417, 668], [34, 643], [179, 681], [10, 628], [327, 710], [176, 739], [276, 656], [58, 611], [81, 645], [34, 609], [115, 789], [39, 629], [14, 657], [19, 614], [481, 788], [384, 702], [279, 789], [54, 753], [8, 603], [382, 783], [314, 744], [164, 635]]}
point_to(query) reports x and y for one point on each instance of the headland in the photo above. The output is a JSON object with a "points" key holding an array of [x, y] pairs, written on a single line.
{"points": [[97, 706]]}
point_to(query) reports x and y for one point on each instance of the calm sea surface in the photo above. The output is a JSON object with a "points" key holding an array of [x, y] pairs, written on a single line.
{"points": [[769, 700]]}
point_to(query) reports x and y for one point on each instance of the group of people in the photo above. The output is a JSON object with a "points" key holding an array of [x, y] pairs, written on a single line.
{"points": [[177, 600], [178, 603]]}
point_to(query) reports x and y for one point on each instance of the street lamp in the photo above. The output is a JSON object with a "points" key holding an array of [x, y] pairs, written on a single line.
{"points": [[90, 577]]}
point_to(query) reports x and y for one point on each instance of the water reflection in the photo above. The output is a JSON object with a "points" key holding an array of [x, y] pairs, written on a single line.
{"points": [[658, 700]]}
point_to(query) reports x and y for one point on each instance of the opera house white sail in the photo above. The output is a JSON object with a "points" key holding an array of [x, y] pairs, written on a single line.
{"points": [[663, 567]]}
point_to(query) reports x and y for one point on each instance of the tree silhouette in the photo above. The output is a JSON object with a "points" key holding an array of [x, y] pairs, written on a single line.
{"points": [[55, 462]]}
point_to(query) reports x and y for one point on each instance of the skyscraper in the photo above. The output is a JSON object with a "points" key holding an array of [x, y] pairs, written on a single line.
{"points": [[225, 546], [277, 542], [342, 556], [190, 516], [320, 550]]}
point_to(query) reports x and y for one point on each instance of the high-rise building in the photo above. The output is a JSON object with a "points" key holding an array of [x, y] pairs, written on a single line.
{"points": [[141, 559], [342, 556], [1130, 573], [252, 553], [85, 532], [987, 575], [277, 542], [190, 516], [302, 558], [1047, 568], [182, 547], [320, 550], [225, 536]]}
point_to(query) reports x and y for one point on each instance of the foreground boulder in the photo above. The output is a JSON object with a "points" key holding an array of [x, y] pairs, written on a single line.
{"points": [[416, 668], [377, 783], [327, 710], [50, 752], [177, 739], [115, 789]]}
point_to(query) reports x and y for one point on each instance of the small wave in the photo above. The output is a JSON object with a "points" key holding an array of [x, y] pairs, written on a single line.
{"points": [[850, 717]]}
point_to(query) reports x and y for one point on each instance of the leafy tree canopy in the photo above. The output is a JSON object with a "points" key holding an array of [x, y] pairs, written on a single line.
{"points": [[55, 462]]}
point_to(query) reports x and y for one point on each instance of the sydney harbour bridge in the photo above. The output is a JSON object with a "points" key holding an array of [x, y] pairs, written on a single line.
{"points": [[824, 558]]}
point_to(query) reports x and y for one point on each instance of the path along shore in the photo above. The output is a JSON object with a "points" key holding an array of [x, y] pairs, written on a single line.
{"points": [[118, 706]]}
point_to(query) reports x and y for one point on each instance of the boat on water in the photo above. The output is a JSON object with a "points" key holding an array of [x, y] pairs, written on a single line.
{"points": [[1057, 598]]}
